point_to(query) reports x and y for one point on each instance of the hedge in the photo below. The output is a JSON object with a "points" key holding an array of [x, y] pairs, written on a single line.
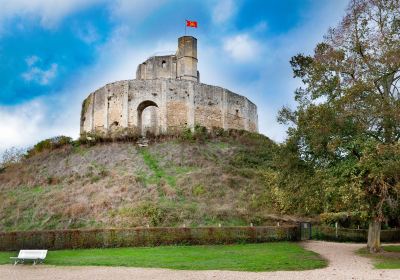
{"points": [[130, 237], [353, 235]]}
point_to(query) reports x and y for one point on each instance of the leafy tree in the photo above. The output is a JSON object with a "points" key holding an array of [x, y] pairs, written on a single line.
{"points": [[347, 122]]}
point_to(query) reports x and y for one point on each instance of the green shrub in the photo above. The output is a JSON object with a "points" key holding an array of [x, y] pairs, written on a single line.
{"points": [[345, 219], [119, 134], [146, 212], [198, 190], [198, 133], [341, 234], [49, 144], [218, 132], [128, 237], [187, 135]]}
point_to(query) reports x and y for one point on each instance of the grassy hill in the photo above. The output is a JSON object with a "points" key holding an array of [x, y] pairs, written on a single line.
{"points": [[172, 182]]}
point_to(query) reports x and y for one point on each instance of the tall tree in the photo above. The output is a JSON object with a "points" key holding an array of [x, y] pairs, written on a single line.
{"points": [[349, 107]]}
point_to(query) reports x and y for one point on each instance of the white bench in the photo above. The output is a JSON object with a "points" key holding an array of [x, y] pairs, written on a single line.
{"points": [[37, 256]]}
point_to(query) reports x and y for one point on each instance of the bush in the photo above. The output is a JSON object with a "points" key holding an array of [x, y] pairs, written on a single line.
{"points": [[120, 134], [345, 219], [128, 237], [186, 135], [49, 144], [151, 212], [199, 134], [198, 190], [11, 156], [341, 234], [218, 132]]}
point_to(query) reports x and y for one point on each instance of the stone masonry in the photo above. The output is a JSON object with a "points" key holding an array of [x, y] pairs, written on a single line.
{"points": [[166, 97]]}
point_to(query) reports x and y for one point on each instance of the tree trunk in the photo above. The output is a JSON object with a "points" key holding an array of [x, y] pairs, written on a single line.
{"points": [[374, 236]]}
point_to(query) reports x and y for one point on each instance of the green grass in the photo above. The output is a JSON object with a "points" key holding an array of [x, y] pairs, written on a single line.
{"points": [[25, 197], [158, 172], [5, 257], [392, 248], [219, 145], [389, 259], [243, 257]]}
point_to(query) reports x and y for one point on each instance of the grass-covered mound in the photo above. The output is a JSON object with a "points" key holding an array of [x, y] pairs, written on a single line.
{"points": [[192, 180], [246, 257]]}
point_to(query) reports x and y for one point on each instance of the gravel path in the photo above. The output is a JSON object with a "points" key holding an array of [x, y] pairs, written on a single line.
{"points": [[343, 264]]}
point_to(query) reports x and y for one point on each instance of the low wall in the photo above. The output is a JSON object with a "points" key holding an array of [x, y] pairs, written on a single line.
{"points": [[354, 235], [107, 238]]}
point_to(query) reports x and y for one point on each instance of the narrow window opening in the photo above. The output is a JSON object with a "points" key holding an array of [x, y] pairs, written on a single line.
{"points": [[164, 64]]}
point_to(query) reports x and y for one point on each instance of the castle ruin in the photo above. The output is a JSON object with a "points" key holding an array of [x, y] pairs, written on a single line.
{"points": [[166, 97]]}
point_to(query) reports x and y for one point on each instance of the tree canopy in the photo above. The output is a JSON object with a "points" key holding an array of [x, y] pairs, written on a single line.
{"points": [[345, 131]]}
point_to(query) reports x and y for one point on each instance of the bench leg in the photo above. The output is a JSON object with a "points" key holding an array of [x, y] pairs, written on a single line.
{"points": [[15, 262]]}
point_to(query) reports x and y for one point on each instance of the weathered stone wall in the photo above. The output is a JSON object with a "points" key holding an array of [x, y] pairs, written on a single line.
{"points": [[181, 66], [187, 59], [181, 104], [157, 67]]}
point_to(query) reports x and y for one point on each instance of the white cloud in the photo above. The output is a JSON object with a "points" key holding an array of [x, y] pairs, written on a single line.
{"points": [[38, 75], [26, 124], [87, 33], [223, 11], [133, 10], [49, 12], [242, 47], [20, 124], [31, 60], [260, 27]]}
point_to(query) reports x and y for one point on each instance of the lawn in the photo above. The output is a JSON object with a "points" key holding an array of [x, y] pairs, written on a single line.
{"points": [[388, 259], [243, 257]]}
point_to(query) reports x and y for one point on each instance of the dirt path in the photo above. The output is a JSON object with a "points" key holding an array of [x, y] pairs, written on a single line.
{"points": [[343, 264]]}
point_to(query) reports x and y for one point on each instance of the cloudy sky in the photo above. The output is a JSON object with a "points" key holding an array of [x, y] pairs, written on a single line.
{"points": [[53, 53]]}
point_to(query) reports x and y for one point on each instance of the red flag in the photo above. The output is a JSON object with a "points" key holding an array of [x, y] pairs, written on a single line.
{"points": [[190, 23]]}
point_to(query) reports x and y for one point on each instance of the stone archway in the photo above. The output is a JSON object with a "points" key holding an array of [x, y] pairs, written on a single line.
{"points": [[148, 117]]}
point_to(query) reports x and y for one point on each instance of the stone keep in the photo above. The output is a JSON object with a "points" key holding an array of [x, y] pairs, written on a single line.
{"points": [[166, 97]]}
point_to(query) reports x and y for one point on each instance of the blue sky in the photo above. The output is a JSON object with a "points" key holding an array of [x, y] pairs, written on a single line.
{"points": [[54, 53]]}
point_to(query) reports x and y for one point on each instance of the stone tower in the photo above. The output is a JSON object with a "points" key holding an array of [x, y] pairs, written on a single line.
{"points": [[187, 59]]}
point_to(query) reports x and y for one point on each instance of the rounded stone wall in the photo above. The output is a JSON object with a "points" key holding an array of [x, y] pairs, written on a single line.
{"points": [[175, 104]]}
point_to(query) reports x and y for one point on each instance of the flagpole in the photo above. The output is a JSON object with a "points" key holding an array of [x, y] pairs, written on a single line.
{"points": [[185, 26]]}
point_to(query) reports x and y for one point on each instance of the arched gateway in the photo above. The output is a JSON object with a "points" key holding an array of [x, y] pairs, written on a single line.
{"points": [[148, 118]]}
